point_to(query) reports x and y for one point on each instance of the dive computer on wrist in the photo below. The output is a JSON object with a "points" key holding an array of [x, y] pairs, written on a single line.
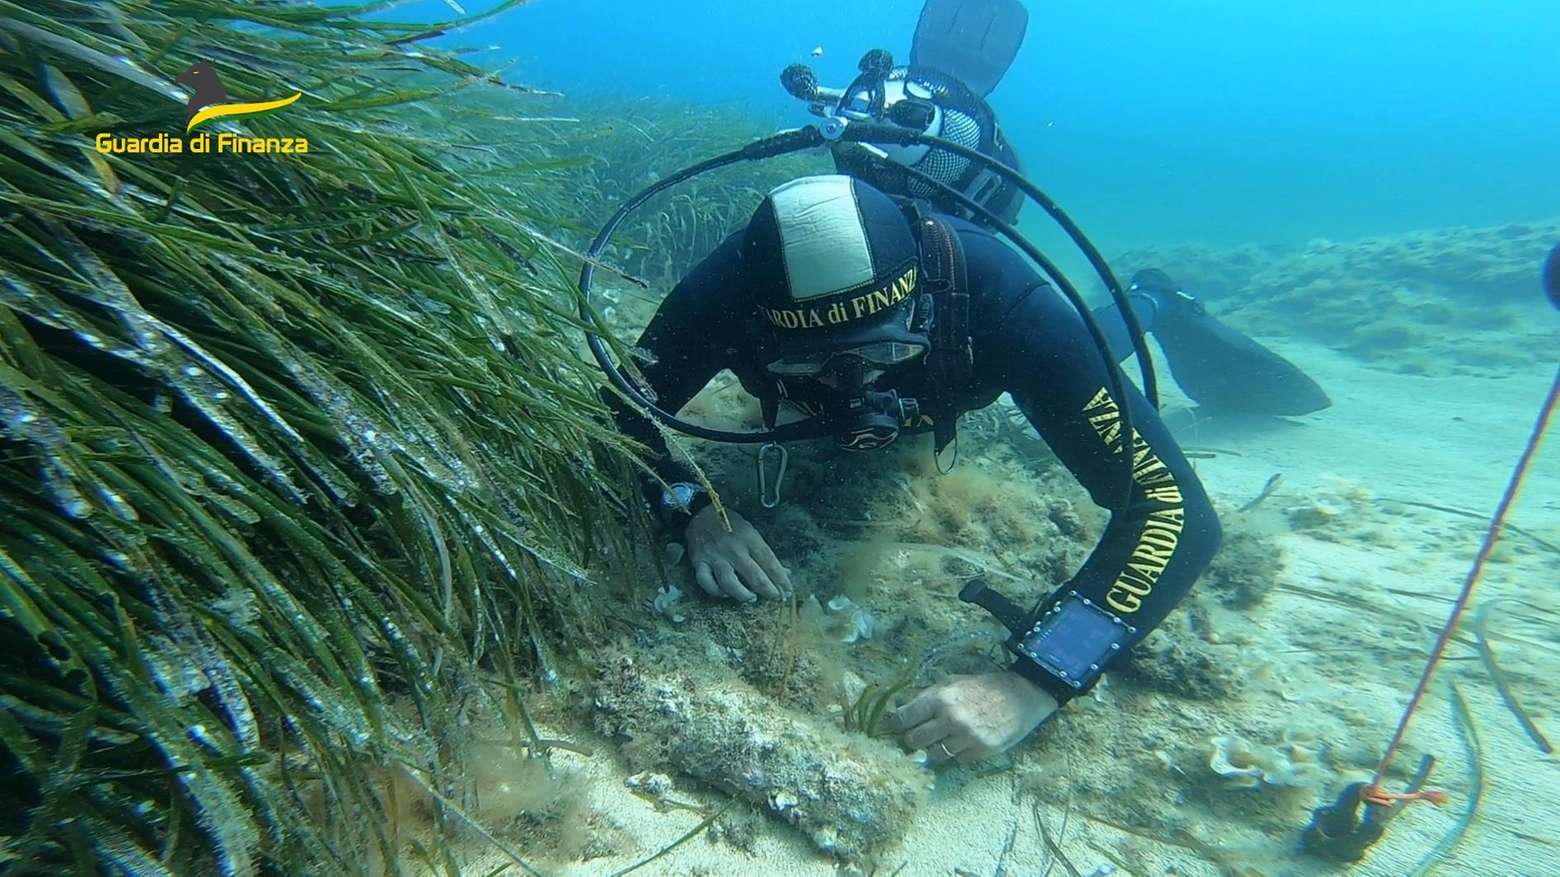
{"points": [[1069, 645], [684, 498]]}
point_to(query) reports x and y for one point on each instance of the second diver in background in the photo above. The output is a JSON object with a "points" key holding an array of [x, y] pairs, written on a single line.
{"points": [[961, 51]]}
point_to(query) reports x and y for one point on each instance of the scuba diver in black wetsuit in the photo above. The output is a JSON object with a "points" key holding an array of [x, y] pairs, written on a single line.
{"points": [[875, 316], [960, 52]]}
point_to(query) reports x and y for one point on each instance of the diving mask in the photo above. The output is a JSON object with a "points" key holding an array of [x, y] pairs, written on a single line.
{"points": [[877, 354]]}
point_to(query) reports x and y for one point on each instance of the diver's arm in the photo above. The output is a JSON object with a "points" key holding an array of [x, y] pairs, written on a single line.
{"points": [[699, 329], [689, 341], [1162, 536]]}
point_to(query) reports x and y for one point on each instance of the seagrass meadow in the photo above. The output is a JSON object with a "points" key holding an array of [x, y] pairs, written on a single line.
{"points": [[634, 143], [301, 470]]}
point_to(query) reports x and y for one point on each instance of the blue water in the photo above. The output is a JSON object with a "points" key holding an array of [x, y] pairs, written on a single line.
{"points": [[1219, 121]]}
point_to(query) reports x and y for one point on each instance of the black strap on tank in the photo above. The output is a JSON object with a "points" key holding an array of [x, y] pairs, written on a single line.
{"points": [[952, 94], [948, 362]]}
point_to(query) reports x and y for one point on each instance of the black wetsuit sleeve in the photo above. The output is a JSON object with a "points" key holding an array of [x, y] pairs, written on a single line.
{"points": [[695, 333], [1162, 533]]}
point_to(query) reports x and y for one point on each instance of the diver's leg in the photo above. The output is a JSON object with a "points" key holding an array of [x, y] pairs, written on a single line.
{"points": [[1115, 328], [1219, 367]]}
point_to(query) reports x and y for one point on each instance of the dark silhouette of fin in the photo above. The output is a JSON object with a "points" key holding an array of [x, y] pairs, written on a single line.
{"points": [[972, 40], [1222, 369]]}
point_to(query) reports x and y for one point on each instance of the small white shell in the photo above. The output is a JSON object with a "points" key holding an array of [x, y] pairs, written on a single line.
{"points": [[665, 603], [862, 625]]}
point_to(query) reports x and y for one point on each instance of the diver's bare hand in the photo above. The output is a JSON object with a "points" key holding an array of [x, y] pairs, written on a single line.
{"points": [[737, 562], [967, 718]]}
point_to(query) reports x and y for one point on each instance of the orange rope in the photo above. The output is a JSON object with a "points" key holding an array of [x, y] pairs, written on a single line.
{"points": [[1373, 793]]}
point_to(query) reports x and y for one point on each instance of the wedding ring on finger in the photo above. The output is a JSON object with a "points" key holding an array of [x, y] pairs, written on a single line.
{"points": [[947, 753]]}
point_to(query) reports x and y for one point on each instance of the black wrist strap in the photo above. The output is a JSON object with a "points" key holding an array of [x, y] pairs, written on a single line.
{"points": [[1045, 681], [699, 503]]}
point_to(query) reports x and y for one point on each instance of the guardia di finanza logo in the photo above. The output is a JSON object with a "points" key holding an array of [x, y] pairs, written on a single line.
{"points": [[209, 102]]}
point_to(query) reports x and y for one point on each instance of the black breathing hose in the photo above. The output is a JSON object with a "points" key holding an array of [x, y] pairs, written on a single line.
{"points": [[865, 132]]}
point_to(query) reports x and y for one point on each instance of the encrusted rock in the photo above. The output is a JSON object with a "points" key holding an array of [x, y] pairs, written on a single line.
{"points": [[849, 794]]}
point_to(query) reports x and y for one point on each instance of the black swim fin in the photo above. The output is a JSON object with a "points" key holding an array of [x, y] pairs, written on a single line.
{"points": [[1220, 368], [974, 41]]}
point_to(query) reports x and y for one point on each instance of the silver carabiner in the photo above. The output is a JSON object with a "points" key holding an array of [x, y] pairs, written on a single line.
{"points": [[764, 497]]}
